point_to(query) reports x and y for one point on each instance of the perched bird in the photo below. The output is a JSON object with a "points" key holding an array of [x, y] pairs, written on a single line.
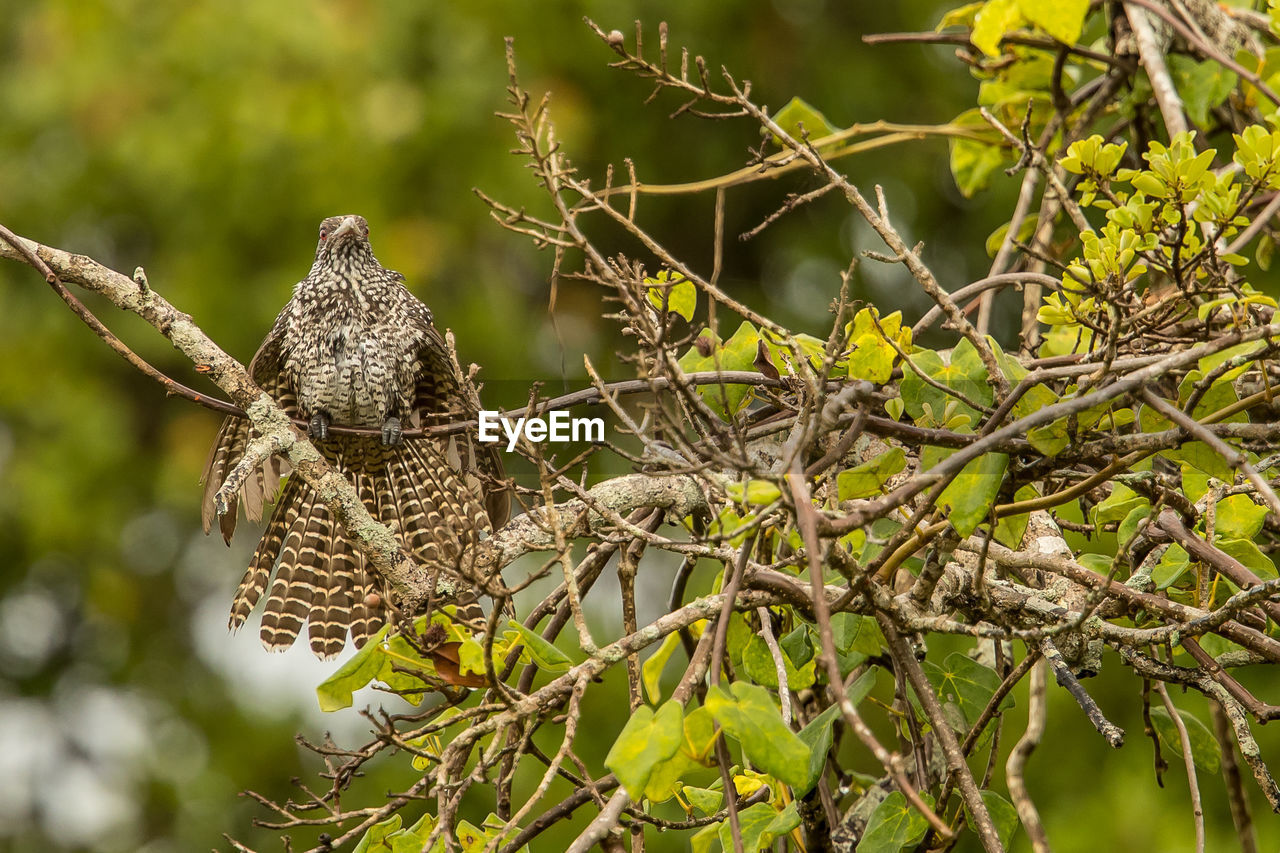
{"points": [[353, 347]]}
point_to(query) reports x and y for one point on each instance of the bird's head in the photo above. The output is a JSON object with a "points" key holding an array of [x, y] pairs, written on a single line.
{"points": [[342, 237]]}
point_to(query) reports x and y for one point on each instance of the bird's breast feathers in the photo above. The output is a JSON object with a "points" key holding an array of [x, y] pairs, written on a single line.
{"points": [[354, 369]]}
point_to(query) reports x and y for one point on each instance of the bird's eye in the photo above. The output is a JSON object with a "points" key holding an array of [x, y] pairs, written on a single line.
{"points": [[324, 233]]}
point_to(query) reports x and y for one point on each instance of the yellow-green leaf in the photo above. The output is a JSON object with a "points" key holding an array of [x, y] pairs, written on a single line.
{"points": [[759, 826], [750, 717], [894, 825], [651, 670], [959, 17], [1062, 19], [799, 118], [972, 493], [335, 692], [647, 739], [679, 292], [995, 19], [972, 164], [868, 479], [760, 666], [543, 653], [1205, 751], [1238, 517], [754, 492]]}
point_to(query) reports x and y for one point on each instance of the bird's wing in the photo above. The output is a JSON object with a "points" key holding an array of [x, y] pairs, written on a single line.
{"points": [[442, 397], [233, 438]]}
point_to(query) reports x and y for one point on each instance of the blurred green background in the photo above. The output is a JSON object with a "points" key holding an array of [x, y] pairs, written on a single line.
{"points": [[205, 141]]}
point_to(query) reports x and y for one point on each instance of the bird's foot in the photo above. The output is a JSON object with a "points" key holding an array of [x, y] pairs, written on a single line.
{"points": [[391, 435], [319, 428]]}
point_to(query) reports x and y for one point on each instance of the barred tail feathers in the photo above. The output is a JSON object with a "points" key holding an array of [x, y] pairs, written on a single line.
{"points": [[366, 619], [226, 453], [264, 558], [331, 598], [295, 585], [443, 513], [227, 450], [319, 576]]}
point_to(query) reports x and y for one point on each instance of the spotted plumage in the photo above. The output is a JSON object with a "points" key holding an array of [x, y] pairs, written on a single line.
{"points": [[353, 347]]}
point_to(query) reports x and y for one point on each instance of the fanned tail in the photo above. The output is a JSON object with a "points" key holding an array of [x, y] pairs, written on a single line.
{"points": [[320, 578]]}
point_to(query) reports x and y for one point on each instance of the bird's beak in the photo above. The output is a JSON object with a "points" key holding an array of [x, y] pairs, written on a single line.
{"points": [[348, 226]]}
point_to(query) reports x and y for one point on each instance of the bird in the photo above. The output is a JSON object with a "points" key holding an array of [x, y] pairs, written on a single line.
{"points": [[353, 347]]}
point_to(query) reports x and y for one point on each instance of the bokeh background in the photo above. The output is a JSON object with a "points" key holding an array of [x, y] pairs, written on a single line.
{"points": [[204, 141]]}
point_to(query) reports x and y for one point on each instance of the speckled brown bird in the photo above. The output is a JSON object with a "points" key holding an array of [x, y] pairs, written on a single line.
{"points": [[353, 347]]}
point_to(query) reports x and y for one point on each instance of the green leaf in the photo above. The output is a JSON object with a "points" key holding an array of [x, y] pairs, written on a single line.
{"points": [[817, 735], [388, 837], [959, 17], [963, 682], [757, 660], [760, 826], [697, 740], [667, 777], [699, 734], [968, 499], [1249, 554], [738, 636], [1205, 751], [797, 647], [973, 163], [651, 669], [1003, 815], [704, 800], [894, 825], [1173, 564], [543, 653], [1202, 85], [1129, 526], [871, 356], [798, 118], [1238, 517], [967, 374], [992, 22], [474, 839], [679, 292], [647, 739], [335, 692], [1011, 528], [1024, 233], [1117, 505], [754, 492], [854, 633], [389, 661], [1062, 19], [1265, 252], [916, 393], [750, 717], [1097, 563], [1050, 439], [375, 837], [867, 479], [737, 353], [703, 839]]}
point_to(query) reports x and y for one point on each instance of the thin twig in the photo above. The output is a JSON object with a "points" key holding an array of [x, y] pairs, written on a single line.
{"points": [[1017, 762]]}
